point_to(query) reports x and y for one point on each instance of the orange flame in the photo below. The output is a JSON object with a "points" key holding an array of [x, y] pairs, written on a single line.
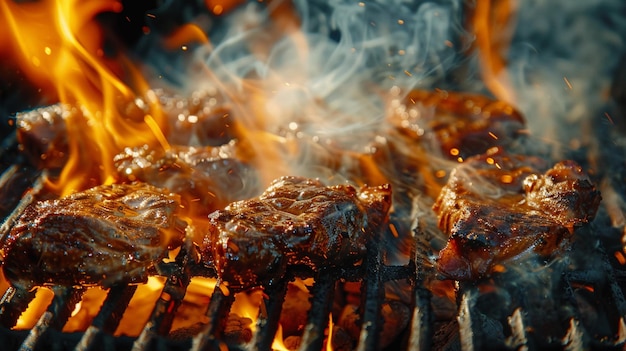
{"points": [[278, 344], [35, 309], [329, 340], [493, 23], [59, 46], [247, 304]]}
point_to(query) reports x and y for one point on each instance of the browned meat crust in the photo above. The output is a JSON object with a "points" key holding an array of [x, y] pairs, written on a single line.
{"points": [[206, 178], [202, 119], [497, 207], [42, 135], [296, 221], [453, 124], [102, 236]]}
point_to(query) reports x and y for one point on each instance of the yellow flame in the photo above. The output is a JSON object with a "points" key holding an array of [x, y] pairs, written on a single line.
{"points": [[59, 46], [329, 340], [140, 307], [278, 343], [493, 23], [77, 308], [247, 305], [43, 297]]}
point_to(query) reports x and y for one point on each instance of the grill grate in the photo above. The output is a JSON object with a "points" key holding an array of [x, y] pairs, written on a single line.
{"points": [[475, 327]]}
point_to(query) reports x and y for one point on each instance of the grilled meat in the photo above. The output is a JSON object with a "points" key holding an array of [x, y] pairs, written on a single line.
{"points": [[498, 207], [203, 119], [206, 178], [42, 135], [102, 236], [563, 192], [296, 221], [453, 124]]}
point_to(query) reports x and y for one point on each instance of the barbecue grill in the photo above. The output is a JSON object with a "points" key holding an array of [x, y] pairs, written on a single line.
{"points": [[573, 302]]}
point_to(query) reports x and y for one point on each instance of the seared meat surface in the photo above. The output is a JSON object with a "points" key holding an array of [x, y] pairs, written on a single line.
{"points": [[202, 119], [564, 192], [296, 221], [42, 133], [498, 207], [453, 124], [206, 178], [106, 235]]}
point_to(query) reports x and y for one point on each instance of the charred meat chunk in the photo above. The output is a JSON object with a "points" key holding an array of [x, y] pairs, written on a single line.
{"points": [[102, 236], [498, 207], [564, 192], [296, 221], [42, 135], [456, 125], [201, 119], [206, 178]]}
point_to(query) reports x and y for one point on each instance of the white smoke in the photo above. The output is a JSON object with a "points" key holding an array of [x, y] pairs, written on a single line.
{"points": [[331, 76], [562, 62]]}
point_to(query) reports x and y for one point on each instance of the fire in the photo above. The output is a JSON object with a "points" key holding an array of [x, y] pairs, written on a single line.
{"points": [[60, 46], [279, 344], [36, 308], [329, 339], [247, 305], [493, 23]]}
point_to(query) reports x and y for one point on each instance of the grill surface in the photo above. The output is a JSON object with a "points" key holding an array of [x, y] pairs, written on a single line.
{"points": [[503, 313], [47, 333], [574, 303]]}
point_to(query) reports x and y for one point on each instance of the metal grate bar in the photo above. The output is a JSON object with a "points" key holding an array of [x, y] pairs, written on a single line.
{"points": [[517, 340], [469, 332], [171, 297], [64, 301], [37, 182], [372, 299], [217, 313], [267, 324], [421, 332], [317, 320], [13, 303], [109, 316], [420, 337]]}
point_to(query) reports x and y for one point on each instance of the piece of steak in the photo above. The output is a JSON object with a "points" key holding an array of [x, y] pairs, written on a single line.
{"points": [[296, 221], [498, 207], [206, 178], [456, 125], [102, 236]]}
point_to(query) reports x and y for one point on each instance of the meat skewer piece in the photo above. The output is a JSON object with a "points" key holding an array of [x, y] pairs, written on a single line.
{"points": [[106, 235], [296, 221], [498, 207]]}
